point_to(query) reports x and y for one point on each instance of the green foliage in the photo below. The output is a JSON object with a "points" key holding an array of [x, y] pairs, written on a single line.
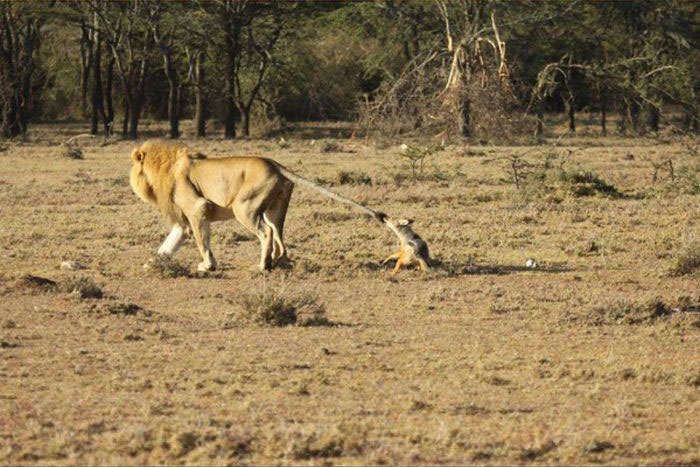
{"points": [[290, 61], [417, 156]]}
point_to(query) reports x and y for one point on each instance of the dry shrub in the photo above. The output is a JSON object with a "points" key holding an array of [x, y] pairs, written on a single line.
{"points": [[82, 286], [687, 262], [418, 102], [318, 442], [72, 152], [632, 312], [331, 146], [495, 114], [535, 183], [167, 267], [353, 178], [272, 306]]}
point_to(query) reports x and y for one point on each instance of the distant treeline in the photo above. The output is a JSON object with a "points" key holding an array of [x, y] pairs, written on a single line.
{"points": [[452, 67]]}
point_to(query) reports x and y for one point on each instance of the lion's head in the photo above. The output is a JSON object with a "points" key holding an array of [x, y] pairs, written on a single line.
{"points": [[156, 165]]}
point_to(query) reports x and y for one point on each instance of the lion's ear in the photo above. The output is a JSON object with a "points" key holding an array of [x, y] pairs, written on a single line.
{"points": [[137, 156]]}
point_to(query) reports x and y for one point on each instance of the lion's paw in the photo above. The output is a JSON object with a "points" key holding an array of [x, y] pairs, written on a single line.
{"points": [[206, 266]]}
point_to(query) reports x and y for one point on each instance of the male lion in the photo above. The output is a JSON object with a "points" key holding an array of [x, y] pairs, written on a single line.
{"points": [[192, 191]]}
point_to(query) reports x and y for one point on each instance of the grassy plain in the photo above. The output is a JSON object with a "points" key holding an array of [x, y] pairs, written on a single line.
{"points": [[592, 357]]}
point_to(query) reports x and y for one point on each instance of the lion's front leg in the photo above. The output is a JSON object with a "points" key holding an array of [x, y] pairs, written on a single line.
{"points": [[201, 236], [197, 215], [173, 241]]}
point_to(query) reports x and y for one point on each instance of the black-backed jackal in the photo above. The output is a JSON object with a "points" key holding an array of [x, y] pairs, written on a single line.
{"points": [[412, 249]]}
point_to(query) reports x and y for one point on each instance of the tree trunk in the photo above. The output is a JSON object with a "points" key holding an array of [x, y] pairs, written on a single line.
{"points": [[570, 110], [173, 114], [199, 98], [134, 119], [97, 108], [539, 129], [86, 55], [109, 103], [173, 96], [603, 117], [230, 119], [653, 116], [125, 123], [17, 55], [231, 41], [245, 120], [465, 115], [633, 115]]}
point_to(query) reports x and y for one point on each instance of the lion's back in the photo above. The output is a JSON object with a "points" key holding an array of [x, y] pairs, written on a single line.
{"points": [[222, 179]]}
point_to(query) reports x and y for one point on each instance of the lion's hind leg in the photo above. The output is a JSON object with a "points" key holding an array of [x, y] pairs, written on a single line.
{"points": [[274, 216], [278, 248], [251, 218]]}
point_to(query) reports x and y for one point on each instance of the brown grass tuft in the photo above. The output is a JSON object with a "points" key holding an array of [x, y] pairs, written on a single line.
{"points": [[71, 151], [167, 267], [687, 262], [275, 307], [629, 312], [83, 286]]}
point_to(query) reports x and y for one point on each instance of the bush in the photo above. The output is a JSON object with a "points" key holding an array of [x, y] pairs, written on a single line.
{"points": [[167, 268], [629, 312], [85, 287], [558, 184], [353, 178], [275, 307], [688, 260]]}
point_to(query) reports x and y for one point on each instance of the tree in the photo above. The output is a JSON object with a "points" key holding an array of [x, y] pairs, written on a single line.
{"points": [[125, 27], [20, 25]]}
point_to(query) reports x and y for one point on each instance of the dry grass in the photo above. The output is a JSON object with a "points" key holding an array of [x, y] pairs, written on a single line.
{"points": [[82, 286], [590, 358], [166, 267], [275, 306], [687, 261]]}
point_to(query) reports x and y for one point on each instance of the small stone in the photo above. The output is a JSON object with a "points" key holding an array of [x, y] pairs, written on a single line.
{"points": [[71, 266], [532, 264]]}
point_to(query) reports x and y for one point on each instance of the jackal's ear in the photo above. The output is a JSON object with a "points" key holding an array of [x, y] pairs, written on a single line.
{"points": [[405, 221], [137, 156]]}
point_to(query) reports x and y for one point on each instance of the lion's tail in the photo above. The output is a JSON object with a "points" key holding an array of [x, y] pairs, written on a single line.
{"points": [[308, 183]]}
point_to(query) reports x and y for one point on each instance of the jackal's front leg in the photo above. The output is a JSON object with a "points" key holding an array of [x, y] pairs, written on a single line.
{"points": [[392, 256]]}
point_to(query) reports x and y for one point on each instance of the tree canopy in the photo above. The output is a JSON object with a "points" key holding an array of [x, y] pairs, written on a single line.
{"points": [[452, 67]]}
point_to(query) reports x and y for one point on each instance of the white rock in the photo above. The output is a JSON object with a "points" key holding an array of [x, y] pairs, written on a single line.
{"points": [[531, 263], [71, 266]]}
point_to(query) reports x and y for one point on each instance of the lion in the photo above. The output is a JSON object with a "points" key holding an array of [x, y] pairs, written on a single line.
{"points": [[192, 191], [412, 248]]}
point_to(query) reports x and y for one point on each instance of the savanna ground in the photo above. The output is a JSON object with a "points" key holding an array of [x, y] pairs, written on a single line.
{"points": [[591, 357]]}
